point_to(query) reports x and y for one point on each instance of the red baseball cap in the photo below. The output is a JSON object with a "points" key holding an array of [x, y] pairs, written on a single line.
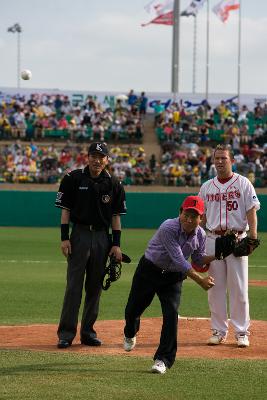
{"points": [[194, 203]]}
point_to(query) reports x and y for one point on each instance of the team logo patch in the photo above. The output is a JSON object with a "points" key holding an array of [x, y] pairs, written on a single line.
{"points": [[106, 198]]}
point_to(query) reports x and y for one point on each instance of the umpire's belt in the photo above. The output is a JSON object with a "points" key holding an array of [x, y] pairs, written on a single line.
{"points": [[223, 232], [92, 228]]}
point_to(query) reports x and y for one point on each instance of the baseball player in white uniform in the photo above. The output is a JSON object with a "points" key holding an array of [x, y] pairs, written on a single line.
{"points": [[230, 204]]}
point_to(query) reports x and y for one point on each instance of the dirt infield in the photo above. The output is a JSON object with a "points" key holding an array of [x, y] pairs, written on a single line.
{"points": [[254, 282], [192, 337]]}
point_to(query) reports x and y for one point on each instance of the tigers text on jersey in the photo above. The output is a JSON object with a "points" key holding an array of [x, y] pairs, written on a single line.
{"points": [[226, 204]]}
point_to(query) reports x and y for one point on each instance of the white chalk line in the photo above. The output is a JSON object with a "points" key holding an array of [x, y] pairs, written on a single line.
{"points": [[12, 261]]}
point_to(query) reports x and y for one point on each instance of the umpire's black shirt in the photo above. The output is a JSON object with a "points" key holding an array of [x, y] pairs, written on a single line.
{"points": [[91, 201]]}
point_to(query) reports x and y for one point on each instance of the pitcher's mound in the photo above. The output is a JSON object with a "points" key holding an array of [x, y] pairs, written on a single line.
{"points": [[192, 338]]}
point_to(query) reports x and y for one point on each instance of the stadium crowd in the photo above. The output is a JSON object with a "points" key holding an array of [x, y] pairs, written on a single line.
{"points": [[54, 116], [186, 138], [38, 163]]}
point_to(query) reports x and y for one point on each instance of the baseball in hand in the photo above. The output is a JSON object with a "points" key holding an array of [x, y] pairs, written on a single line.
{"points": [[26, 74]]}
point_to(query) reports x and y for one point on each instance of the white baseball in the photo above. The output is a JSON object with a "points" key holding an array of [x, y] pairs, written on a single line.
{"points": [[26, 74]]}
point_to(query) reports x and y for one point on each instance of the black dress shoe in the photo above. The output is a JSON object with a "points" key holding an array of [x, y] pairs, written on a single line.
{"points": [[63, 344], [91, 342]]}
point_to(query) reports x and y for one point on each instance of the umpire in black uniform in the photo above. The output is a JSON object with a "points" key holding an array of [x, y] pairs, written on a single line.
{"points": [[92, 200]]}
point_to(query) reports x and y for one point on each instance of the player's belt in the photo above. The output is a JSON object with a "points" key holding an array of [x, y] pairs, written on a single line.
{"points": [[223, 232], [92, 227]]}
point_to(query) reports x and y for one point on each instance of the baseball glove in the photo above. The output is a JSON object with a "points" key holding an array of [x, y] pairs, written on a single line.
{"points": [[200, 268], [245, 246], [224, 245]]}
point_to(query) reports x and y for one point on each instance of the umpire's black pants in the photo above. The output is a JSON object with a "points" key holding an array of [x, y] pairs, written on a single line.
{"points": [[149, 280], [89, 252]]}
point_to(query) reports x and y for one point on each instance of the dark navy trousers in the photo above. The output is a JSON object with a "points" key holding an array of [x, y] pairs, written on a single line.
{"points": [[85, 269], [149, 280]]}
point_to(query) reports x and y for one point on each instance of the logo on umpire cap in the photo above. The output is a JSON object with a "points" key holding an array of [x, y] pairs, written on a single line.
{"points": [[97, 147]]}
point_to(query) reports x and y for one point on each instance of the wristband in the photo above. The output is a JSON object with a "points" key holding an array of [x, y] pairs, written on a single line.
{"points": [[65, 232], [116, 238]]}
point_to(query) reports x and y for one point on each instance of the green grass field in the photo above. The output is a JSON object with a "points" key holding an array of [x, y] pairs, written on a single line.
{"points": [[32, 283]]}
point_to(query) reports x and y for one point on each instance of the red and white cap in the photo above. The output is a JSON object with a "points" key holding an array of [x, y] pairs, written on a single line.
{"points": [[194, 203]]}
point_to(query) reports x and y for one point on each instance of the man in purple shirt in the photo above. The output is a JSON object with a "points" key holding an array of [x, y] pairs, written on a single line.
{"points": [[161, 271]]}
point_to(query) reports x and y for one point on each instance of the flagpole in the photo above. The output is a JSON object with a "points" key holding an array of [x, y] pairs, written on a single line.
{"points": [[18, 59], [194, 55], [175, 48], [207, 50], [16, 28], [239, 55]]}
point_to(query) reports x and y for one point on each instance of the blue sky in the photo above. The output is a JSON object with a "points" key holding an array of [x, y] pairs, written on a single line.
{"points": [[100, 45]]}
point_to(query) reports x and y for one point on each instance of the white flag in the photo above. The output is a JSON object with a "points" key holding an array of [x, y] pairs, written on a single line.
{"points": [[161, 12], [193, 8], [159, 7], [223, 8]]}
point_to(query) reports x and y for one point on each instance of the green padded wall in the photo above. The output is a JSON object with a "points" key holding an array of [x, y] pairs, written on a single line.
{"points": [[145, 210]]}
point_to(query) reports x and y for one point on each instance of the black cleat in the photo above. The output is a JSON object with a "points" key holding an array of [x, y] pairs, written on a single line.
{"points": [[91, 342], [63, 344]]}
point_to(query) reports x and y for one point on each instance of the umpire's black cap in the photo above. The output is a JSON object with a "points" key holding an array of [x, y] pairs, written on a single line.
{"points": [[98, 147]]}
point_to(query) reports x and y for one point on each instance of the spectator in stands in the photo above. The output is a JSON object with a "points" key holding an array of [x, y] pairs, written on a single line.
{"points": [[44, 109], [5, 127], [62, 121], [258, 111], [196, 177], [30, 126], [86, 118], [159, 112], [131, 130], [132, 98], [52, 121], [244, 135], [32, 102], [243, 114], [148, 177], [139, 130], [19, 124], [153, 163], [98, 132], [142, 103], [119, 108], [115, 130], [58, 104], [168, 130], [66, 106]]}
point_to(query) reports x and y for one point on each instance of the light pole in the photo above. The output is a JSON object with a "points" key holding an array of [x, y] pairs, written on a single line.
{"points": [[175, 48], [16, 28]]}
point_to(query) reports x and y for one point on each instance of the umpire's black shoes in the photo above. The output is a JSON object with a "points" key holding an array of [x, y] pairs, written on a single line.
{"points": [[92, 341], [63, 344]]}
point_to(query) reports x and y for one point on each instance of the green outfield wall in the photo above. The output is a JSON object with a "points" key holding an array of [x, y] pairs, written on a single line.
{"points": [[145, 210]]}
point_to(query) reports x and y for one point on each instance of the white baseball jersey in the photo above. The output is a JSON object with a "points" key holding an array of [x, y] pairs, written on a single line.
{"points": [[226, 204]]}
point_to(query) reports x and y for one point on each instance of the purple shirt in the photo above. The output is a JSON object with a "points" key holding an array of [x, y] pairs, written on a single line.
{"points": [[171, 246]]}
